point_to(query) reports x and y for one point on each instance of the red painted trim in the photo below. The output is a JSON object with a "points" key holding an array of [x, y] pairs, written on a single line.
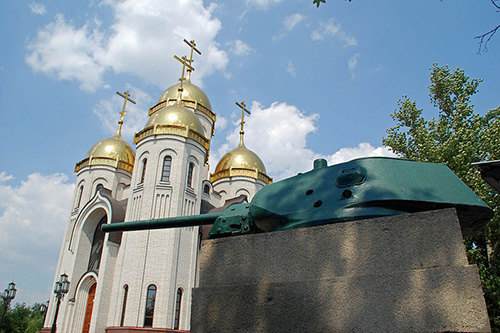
{"points": [[129, 329]]}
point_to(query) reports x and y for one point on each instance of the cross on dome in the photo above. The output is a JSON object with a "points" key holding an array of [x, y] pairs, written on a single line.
{"points": [[187, 63], [242, 105], [192, 45], [125, 95]]}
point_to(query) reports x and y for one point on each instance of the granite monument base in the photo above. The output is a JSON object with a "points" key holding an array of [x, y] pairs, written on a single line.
{"points": [[406, 273]]}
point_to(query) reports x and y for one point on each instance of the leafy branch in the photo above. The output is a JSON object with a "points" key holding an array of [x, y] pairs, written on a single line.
{"points": [[457, 137]]}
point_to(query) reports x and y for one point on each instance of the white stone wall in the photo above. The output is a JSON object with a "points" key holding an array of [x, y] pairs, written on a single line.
{"points": [[232, 187], [206, 122], [166, 258], [76, 246]]}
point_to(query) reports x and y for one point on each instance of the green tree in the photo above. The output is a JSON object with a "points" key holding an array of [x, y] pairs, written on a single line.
{"points": [[23, 319], [457, 138]]}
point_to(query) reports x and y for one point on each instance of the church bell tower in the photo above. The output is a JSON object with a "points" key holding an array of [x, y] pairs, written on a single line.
{"points": [[157, 269]]}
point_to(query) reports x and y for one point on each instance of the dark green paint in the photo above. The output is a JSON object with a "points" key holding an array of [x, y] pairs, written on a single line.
{"points": [[359, 189]]}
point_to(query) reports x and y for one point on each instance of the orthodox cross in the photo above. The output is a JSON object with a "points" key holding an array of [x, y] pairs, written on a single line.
{"points": [[242, 105], [125, 95], [192, 45], [185, 63]]}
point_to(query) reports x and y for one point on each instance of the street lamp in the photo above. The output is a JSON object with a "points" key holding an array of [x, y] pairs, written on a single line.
{"points": [[60, 289], [8, 295], [43, 309]]}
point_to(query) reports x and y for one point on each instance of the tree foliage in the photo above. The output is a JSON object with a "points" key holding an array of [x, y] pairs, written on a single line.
{"points": [[23, 319], [457, 138]]}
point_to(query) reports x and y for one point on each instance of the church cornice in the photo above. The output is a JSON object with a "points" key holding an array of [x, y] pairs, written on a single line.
{"points": [[241, 172], [94, 161], [177, 130], [187, 103]]}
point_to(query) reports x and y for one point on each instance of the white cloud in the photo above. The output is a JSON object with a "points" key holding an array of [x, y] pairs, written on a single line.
{"points": [[289, 23], [262, 4], [33, 217], [68, 54], [290, 68], [330, 29], [220, 124], [136, 42], [108, 111], [364, 149], [37, 8], [4, 177], [278, 134], [240, 48], [352, 63]]}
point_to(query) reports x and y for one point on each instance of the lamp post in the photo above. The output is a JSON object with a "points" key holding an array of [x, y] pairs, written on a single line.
{"points": [[8, 295], [43, 309], [60, 289]]}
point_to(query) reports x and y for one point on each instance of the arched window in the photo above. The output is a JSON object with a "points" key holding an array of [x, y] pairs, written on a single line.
{"points": [[206, 189], [190, 175], [177, 309], [143, 173], [165, 171], [96, 251], [124, 306], [150, 306], [79, 197]]}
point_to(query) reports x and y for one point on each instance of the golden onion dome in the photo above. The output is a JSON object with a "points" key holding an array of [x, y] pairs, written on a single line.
{"points": [[113, 151], [176, 115], [190, 93], [240, 158], [241, 161]]}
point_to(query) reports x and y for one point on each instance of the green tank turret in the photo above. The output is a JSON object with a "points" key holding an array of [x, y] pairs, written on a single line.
{"points": [[358, 189]]}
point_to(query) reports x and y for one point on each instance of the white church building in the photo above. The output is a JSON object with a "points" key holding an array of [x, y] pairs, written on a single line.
{"points": [[141, 281]]}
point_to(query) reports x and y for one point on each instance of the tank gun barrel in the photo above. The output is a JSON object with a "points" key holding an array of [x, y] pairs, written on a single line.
{"points": [[169, 222], [359, 189]]}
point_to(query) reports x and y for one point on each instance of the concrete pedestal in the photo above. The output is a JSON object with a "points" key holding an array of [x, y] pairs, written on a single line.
{"points": [[404, 273]]}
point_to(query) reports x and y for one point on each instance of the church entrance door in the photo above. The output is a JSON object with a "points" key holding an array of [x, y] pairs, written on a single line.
{"points": [[88, 309]]}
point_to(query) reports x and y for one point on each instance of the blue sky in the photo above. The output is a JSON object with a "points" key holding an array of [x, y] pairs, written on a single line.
{"points": [[321, 82]]}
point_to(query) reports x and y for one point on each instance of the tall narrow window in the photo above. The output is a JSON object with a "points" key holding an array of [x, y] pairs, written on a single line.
{"points": [[124, 306], [165, 171], [96, 250], [177, 309], [150, 306], [143, 174], [190, 175], [206, 189], [79, 197]]}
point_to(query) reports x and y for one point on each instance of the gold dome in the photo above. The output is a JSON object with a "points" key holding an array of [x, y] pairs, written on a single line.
{"points": [[176, 115], [240, 157], [241, 161], [191, 93], [113, 151]]}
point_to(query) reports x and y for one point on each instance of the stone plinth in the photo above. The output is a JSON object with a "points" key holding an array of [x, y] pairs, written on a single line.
{"points": [[404, 273]]}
